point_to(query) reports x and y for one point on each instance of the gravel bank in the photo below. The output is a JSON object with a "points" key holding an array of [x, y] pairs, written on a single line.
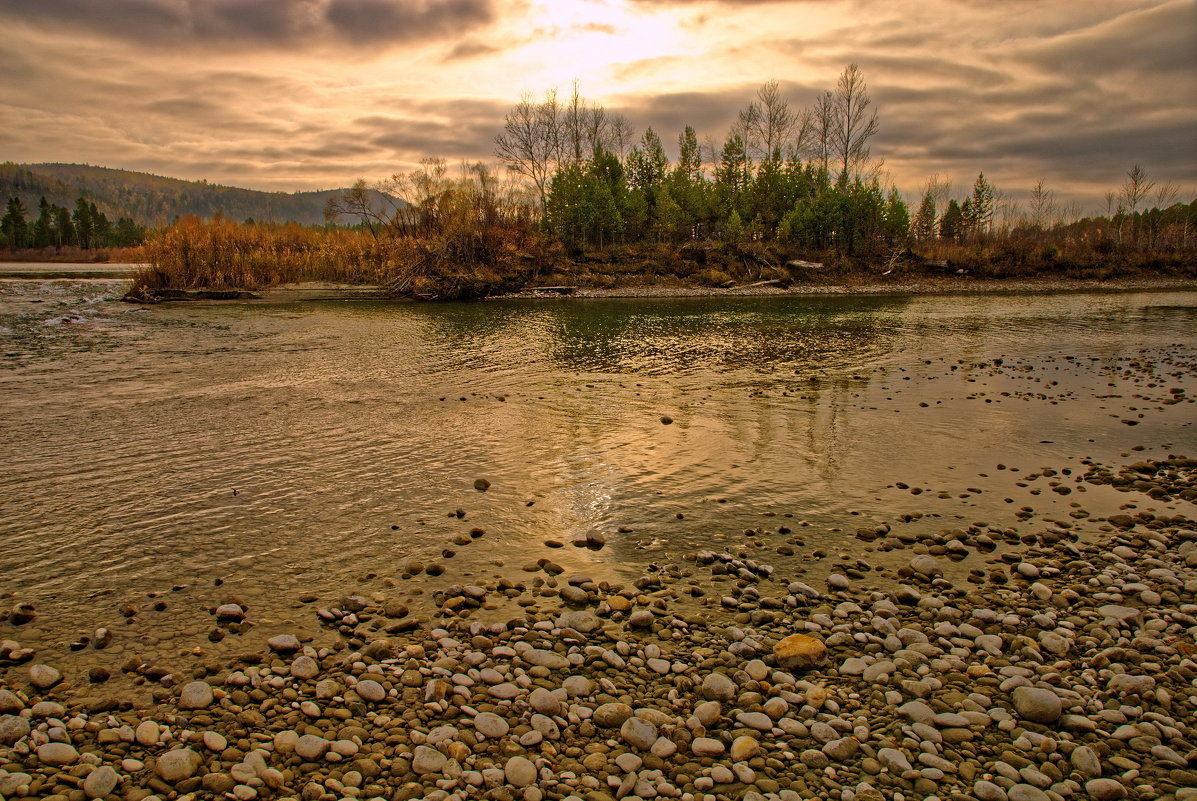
{"points": [[929, 285], [1066, 668]]}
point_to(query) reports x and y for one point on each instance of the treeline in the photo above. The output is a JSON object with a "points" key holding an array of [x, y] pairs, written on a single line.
{"points": [[153, 200], [788, 194], [800, 181], [84, 227]]}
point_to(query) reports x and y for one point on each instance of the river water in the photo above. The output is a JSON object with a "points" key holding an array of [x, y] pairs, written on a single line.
{"points": [[152, 454]]}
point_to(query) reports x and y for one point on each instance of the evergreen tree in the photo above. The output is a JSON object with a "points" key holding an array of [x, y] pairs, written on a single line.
{"points": [[923, 227], [41, 226], [951, 224], [897, 219], [83, 223], [980, 220], [732, 173], [13, 224], [64, 230], [688, 186]]}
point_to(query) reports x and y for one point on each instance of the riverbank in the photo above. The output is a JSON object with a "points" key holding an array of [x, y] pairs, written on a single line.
{"points": [[924, 285], [1060, 666]]}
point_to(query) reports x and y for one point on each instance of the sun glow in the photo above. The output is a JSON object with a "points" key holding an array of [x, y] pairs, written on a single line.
{"points": [[590, 40]]}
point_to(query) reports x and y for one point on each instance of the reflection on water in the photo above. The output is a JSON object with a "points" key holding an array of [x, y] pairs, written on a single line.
{"points": [[302, 447]]}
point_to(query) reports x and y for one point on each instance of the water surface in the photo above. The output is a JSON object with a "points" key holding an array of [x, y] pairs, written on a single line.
{"points": [[320, 447]]}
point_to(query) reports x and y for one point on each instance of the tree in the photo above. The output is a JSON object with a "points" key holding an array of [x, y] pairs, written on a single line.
{"points": [[822, 127], [83, 223], [1043, 206], [733, 172], [769, 123], [647, 164], [1133, 192], [530, 143], [854, 124], [358, 201], [978, 219], [64, 229], [951, 224], [897, 218], [13, 224], [42, 225], [923, 227]]}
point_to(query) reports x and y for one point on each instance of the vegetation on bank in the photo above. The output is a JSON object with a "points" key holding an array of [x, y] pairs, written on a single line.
{"points": [[790, 195], [85, 228]]}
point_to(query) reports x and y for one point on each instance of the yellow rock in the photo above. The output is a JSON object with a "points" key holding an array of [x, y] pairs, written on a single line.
{"points": [[800, 652], [619, 603]]}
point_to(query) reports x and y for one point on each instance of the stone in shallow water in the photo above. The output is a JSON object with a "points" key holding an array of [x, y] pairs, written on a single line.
{"points": [[195, 695], [43, 676], [284, 643]]}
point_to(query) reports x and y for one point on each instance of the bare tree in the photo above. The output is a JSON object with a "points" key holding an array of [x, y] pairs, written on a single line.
{"points": [[822, 126], [1135, 190], [854, 123], [769, 123], [1166, 194], [1043, 206], [620, 134], [375, 207], [530, 143]]}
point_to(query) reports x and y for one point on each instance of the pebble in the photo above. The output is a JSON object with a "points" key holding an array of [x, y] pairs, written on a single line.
{"points": [[490, 725], [43, 676], [57, 754], [520, 772], [1037, 704], [196, 695], [100, 782], [370, 690], [175, 766]]}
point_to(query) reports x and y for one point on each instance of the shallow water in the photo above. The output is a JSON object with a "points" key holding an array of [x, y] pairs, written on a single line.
{"points": [[319, 447]]}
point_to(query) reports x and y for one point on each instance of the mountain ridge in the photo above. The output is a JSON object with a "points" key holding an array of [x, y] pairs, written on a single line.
{"points": [[154, 200]]}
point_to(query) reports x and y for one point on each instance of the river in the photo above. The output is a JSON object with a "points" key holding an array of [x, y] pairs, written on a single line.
{"points": [[177, 455]]}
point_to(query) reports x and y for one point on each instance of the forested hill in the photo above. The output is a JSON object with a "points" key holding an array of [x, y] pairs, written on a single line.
{"points": [[151, 199]]}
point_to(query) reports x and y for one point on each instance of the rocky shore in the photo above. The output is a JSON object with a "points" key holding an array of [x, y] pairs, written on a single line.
{"points": [[1064, 666]]}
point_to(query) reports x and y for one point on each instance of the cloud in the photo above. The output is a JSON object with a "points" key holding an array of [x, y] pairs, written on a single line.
{"points": [[266, 23]]}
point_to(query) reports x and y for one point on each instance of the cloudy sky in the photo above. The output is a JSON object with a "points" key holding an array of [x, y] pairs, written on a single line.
{"points": [[305, 94]]}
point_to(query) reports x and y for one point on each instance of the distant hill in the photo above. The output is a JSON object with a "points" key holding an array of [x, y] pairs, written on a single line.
{"points": [[152, 199]]}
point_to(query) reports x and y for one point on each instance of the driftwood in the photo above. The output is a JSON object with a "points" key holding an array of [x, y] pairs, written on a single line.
{"points": [[164, 295], [805, 265]]}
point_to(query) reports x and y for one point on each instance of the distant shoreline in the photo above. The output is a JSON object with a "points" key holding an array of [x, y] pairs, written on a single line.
{"points": [[327, 291]]}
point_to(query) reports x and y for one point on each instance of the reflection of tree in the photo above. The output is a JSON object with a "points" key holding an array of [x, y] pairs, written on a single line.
{"points": [[723, 334]]}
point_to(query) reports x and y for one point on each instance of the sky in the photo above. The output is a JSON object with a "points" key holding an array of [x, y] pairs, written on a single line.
{"points": [[311, 94]]}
